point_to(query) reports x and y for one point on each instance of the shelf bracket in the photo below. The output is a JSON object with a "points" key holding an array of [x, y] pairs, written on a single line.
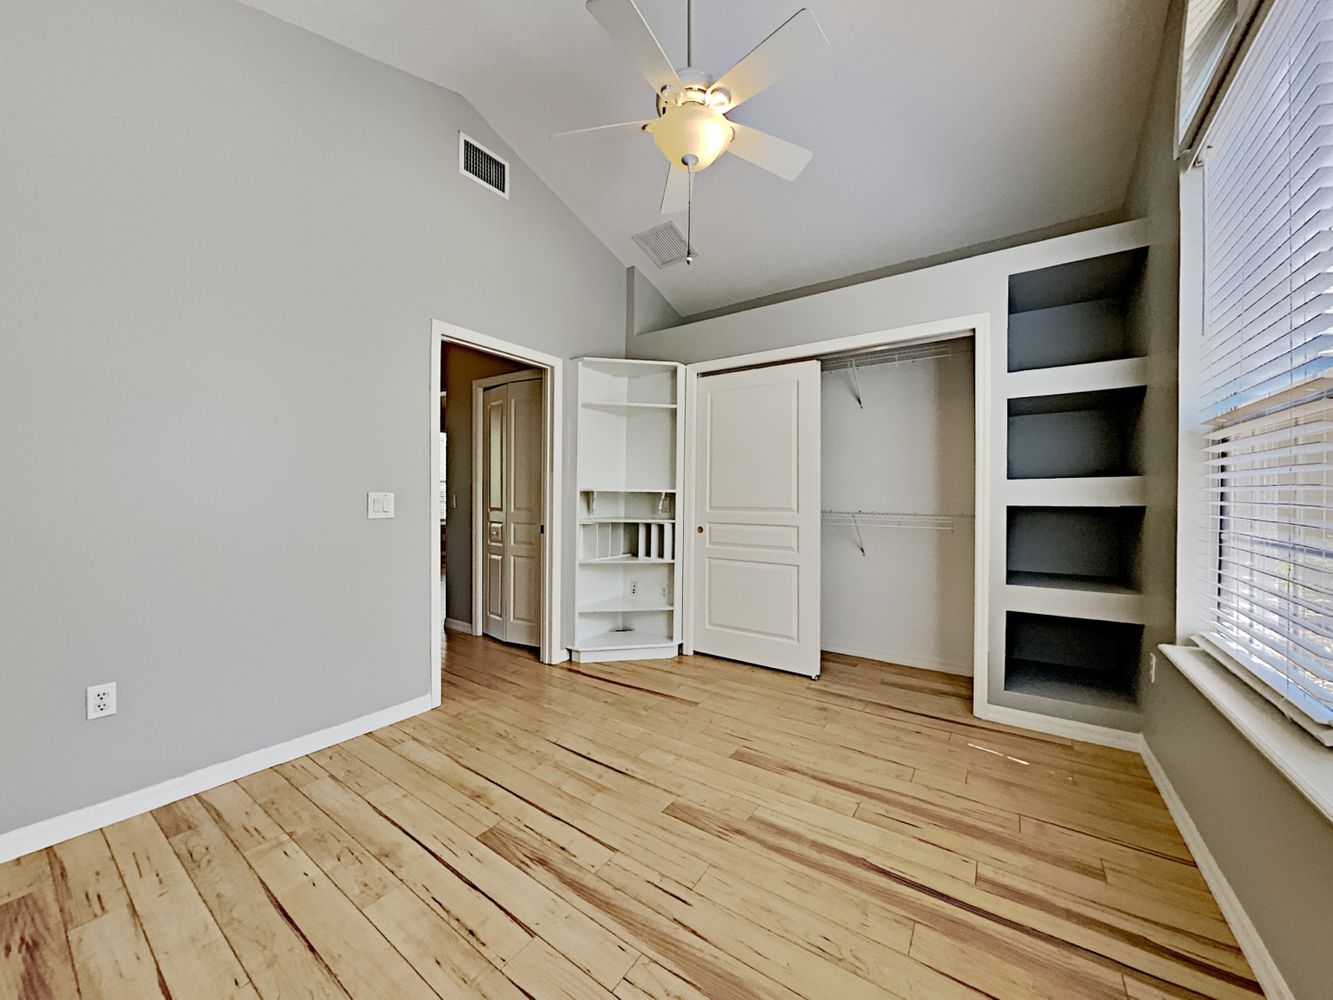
{"points": [[856, 391], [860, 542]]}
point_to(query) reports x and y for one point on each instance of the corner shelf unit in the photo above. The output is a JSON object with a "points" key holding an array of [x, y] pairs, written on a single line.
{"points": [[1069, 609], [630, 458]]}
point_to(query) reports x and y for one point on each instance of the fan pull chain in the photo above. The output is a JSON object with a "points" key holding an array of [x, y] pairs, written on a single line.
{"points": [[689, 159]]}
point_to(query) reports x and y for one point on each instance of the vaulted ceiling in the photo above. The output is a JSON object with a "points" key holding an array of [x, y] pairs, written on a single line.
{"points": [[935, 125]]}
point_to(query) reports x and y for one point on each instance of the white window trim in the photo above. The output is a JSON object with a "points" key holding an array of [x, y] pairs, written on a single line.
{"points": [[1304, 762]]}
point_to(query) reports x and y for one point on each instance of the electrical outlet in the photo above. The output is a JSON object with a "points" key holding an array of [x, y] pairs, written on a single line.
{"points": [[102, 700], [633, 588], [1152, 668]]}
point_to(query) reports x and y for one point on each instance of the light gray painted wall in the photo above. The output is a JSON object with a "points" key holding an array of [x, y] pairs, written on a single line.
{"points": [[648, 308], [1274, 847], [222, 241], [462, 367]]}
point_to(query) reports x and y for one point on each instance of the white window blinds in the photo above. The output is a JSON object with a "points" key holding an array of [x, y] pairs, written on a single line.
{"points": [[1267, 364]]}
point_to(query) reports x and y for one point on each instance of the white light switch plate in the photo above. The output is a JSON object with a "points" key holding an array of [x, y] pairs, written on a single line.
{"points": [[379, 505]]}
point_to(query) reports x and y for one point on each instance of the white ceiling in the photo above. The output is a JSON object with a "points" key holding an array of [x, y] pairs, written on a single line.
{"points": [[935, 125]]}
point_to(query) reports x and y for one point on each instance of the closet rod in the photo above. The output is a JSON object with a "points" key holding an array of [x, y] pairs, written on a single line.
{"points": [[856, 519]]}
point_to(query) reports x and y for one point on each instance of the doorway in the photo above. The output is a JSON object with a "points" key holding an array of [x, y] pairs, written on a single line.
{"points": [[461, 358]]}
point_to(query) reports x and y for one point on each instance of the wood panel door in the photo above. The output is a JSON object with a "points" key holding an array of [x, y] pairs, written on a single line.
{"points": [[756, 504], [512, 428]]}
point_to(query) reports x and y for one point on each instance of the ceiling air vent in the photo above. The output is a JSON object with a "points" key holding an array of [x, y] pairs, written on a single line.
{"points": [[665, 244], [483, 166]]}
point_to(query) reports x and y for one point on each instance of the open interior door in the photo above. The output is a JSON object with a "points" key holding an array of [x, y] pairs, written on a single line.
{"points": [[755, 556]]}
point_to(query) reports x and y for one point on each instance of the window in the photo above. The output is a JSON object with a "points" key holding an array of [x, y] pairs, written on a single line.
{"points": [[1208, 28], [1266, 365]]}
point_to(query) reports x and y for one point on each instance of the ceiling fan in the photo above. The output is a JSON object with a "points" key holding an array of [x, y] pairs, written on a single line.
{"points": [[691, 128]]}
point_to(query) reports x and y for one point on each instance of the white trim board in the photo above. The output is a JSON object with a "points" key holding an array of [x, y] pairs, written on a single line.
{"points": [[57, 829], [455, 625], [960, 669], [1247, 935]]}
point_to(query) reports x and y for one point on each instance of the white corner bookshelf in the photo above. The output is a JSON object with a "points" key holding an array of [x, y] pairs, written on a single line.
{"points": [[630, 460]]}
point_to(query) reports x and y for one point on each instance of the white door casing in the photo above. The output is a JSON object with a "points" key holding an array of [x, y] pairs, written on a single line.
{"points": [[757, 521], [511, 459]]}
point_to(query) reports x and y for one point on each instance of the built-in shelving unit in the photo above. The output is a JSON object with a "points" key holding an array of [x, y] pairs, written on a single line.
{"points": [[630, 455], [1068, 621]]}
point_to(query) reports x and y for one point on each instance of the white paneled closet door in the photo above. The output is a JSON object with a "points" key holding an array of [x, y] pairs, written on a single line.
{"points": [[512, 447], [757, 510]]}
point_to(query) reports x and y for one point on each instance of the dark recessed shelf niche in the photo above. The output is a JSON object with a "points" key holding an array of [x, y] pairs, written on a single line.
{"points": [[1077, 434], [1076, 313], [1073, 659], [1075, 548]]}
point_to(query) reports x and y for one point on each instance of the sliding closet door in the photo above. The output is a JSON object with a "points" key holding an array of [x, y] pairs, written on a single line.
{"points": [[756, 552]]}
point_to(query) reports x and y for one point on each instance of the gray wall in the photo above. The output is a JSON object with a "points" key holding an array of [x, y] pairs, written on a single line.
{"points": [[462, 367], [1274, 847], [222, 241]]}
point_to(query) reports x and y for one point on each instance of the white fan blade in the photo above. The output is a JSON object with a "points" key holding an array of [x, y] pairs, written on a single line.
{"points": [[799, 39], [623, 22], [620, 128], [676, 197], [777, 156]]}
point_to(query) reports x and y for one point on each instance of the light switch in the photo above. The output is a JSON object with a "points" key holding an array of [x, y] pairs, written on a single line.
{"points": [[379, 505]]}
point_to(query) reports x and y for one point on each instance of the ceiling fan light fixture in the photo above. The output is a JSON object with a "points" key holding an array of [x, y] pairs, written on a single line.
{"points": [[691, 130]]}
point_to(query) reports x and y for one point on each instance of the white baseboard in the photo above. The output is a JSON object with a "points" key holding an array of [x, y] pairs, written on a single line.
{"points": [[885, 656], [1256, 952], [44, 833], [454, 625]]}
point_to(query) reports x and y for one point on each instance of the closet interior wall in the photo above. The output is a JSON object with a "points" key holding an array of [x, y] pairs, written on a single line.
{"points": [[898, 539]]}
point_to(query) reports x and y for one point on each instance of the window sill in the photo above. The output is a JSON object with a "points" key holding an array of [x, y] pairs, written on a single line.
{"points": [[1306, 764]]}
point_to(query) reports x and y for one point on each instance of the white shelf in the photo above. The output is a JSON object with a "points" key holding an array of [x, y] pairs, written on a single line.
{"points": [[1124, 373], [626, 561], [619, 605], [627, 489], [1095, 491], [631, 639], [627, 520], [621, 407], [1102, 605]]}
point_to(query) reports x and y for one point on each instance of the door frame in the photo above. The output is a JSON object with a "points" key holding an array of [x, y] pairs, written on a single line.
{"points": [[552, 368], [976, 325], [479, 387]]}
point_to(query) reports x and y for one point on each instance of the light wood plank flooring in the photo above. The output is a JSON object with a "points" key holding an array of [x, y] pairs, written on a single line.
{"points": [[669, 830]]}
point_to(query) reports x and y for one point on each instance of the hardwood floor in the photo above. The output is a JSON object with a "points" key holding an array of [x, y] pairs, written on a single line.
{"points": [[670, 830]]}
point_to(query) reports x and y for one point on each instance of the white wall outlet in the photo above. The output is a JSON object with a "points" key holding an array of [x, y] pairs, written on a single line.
{"points": [[1152, 668], [633, 588], [102, 700], [379, 505]]}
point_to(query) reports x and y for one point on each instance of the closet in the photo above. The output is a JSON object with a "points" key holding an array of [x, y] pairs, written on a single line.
{"points": [[898, 472]]}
